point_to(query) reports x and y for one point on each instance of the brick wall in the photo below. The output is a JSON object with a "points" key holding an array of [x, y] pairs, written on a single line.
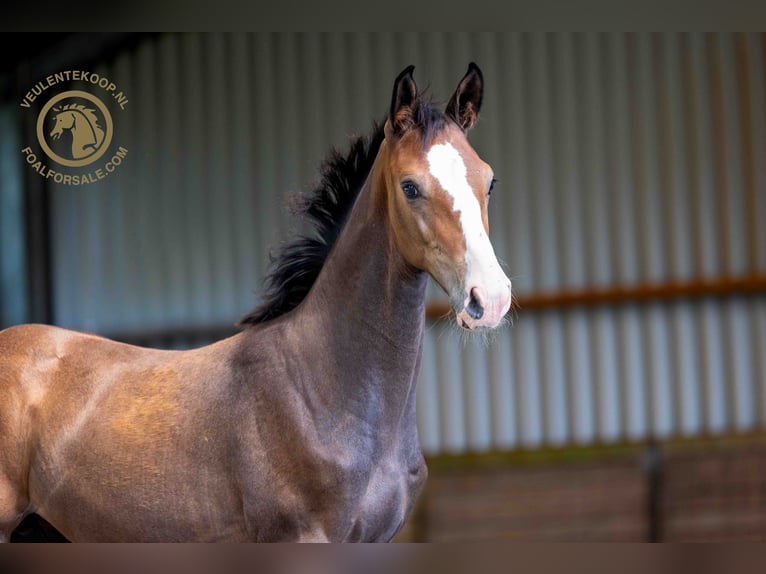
{"points": [[714, 495], [697, 492]]}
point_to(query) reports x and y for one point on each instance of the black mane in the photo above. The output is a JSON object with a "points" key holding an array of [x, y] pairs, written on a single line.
{"points": [[296, 264]]}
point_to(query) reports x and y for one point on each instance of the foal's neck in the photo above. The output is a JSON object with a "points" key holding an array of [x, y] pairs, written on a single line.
{"points": [[371, 304]]}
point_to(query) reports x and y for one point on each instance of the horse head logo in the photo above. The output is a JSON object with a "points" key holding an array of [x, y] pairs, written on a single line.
{"points": [[82, 122], [84, 119]]}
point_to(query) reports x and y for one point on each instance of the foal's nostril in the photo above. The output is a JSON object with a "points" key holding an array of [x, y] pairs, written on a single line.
{"points": [[474, 308]]}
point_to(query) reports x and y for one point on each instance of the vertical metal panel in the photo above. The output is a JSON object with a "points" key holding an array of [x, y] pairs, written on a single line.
{"points": [[530, 403], [453, 415], [756, 50], [706, 227], [569, 200], [428, 397], [217, 152], [740, 363], [633, 374], [170, 120], [592, 160], [503, 399], [608, 388], [649, 203], [673, 149], [660, 399], [538, 131], [552, 379], [242, 95], [265, 150], [117, 270], [622, 158], [580, 371], [623, 234], [711, 344], [731, 149], [759, 352], [516, 193], [193, 188], [685, 371], [147, 227], [476, 398], [13, 300]]}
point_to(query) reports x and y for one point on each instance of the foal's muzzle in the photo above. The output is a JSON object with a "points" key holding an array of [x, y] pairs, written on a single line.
{"points": [[485, 306]]}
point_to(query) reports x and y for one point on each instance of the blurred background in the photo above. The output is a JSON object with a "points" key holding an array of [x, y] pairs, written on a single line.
{"points": [[627, 401]]}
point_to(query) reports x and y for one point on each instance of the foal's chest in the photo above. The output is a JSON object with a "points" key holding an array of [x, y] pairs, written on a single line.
{"points": [[387, 502]]}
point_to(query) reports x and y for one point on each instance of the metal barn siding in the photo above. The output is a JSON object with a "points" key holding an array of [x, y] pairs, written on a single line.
{"points": [[13, 286], [622, 159]]}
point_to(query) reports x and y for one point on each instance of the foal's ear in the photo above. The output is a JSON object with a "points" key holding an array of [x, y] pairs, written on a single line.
{"points": [[465, 103], [405, 93]]}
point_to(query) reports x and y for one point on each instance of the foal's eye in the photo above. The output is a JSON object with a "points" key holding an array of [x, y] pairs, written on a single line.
{"points": [[410, 190]]}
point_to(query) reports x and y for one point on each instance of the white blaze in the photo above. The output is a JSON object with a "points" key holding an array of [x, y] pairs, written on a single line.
{"points": [[447, 166]]}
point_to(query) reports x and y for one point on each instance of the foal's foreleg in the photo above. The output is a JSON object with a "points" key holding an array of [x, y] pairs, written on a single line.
{"points": [[12, 508], [314, 536]]}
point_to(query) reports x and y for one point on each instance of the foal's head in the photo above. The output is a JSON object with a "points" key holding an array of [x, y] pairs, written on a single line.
{"points": [[438, 191]]}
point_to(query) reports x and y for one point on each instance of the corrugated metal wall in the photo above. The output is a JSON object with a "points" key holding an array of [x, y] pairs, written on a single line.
{"points": [[622, 159]]}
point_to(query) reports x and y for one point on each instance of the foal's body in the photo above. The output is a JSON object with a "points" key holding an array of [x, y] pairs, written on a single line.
{"points": [[301, 427], [297, 445]]}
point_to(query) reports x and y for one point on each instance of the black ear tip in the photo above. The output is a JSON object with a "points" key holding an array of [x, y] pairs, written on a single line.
{"points": [[472, 67], [405, 72]]}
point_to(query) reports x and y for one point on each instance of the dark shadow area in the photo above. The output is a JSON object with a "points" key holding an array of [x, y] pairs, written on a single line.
{"points": [[36, 529]]}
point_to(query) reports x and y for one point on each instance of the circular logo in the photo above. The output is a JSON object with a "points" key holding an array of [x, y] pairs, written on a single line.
{"points": [[74, 128]]}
